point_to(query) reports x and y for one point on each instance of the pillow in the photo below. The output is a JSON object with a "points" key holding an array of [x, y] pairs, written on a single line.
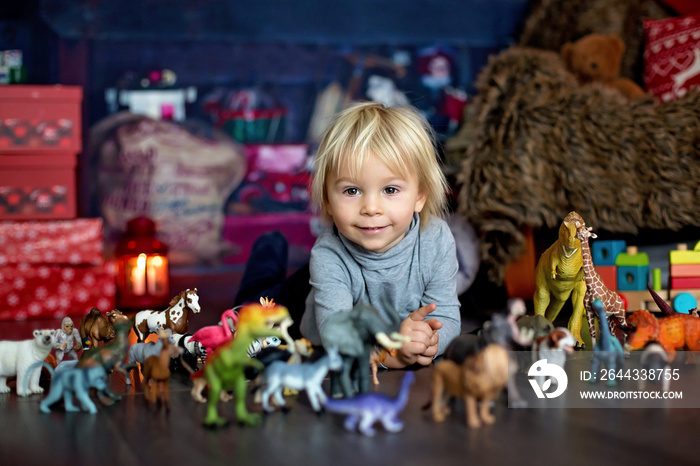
{"points": [[672, 56]]}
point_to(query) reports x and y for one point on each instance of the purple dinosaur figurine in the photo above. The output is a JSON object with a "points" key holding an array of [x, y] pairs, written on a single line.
{"points": [[367, 408]]}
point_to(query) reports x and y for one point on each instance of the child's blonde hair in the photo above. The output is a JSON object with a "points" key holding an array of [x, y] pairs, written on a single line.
{"points": [[400, 137]]}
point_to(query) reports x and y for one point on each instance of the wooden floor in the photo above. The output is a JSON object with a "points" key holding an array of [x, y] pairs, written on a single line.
{"points": [[128, 432]]}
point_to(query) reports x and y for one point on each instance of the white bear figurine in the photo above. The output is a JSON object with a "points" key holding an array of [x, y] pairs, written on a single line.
{"points": [[17, 356]]}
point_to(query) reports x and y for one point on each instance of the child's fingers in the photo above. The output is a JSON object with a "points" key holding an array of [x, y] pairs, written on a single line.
{"points": [[434, 324], [422, 312], [424, 360]]}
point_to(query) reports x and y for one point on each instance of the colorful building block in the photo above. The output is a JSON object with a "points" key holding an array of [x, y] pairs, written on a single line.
{"points": [[685, 283], [606, 251], [684, 270], [681, 255], [684, 302], [632, 270], [608, 273]]}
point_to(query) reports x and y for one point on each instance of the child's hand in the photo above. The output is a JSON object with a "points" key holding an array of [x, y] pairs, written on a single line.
{"points": [[423, 335]]}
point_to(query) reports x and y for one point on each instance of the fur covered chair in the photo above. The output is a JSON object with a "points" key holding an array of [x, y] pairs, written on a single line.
{"points": [[536, 145]]}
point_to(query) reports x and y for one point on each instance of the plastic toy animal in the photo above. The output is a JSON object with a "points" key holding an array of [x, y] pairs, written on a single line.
{"points": [[139, 352], [94, 327], [192, 351], [365, 409], [18, 357], [355, 333], [654, 358], [553, 347], [559, 275], [175, 317], [596, 289], [673, 332], [504, 331], [607, 351], [76, 381], [225, 368], [479, 379], [112, 355], [156, 373], [305, 376], [215, 335], [378, 356]]}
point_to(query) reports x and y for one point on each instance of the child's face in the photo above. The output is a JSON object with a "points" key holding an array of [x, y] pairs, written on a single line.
{"points": [[376, 209]]}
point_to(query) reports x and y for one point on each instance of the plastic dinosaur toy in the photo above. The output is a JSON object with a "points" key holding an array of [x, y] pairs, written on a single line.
{"points": [[365, 409], [559, 275], [608, 350], [673, 332], [225, 368]]}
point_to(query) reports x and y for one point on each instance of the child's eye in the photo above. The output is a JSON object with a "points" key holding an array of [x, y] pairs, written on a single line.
{"points": [[391, 190], [352, 191]]}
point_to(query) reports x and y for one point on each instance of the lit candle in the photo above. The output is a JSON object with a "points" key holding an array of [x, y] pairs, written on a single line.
{"points": [[138, 276], [156, 275]]}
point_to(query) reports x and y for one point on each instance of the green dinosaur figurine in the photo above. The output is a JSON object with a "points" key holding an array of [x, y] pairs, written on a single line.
{"points": [[225, 368], [559, 275]]}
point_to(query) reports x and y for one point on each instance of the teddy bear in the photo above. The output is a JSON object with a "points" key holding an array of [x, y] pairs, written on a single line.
{"points": [[597, 58]]}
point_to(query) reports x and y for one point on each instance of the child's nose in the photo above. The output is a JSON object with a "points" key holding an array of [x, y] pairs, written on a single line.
{"points": [[371, 205]]}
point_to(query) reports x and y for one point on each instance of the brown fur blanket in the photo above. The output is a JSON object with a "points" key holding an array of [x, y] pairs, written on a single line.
{"points": [[536, 146]]}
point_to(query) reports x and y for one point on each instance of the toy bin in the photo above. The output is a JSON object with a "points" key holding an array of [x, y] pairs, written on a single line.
{"points": [[38, 187], [40, 118], [252, 126]]}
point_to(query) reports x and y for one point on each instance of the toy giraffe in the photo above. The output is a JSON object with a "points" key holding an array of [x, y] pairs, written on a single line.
{"points": [[596, 289]]}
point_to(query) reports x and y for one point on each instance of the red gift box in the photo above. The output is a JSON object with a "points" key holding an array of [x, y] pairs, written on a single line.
{"points": [[48, 291], [53, 268], [52, 242]]}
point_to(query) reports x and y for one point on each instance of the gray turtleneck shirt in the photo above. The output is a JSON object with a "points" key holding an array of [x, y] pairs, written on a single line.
{"points": [[421, 269]]}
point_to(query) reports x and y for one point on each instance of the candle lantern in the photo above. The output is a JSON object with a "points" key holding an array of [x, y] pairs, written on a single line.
{"points": [[142, 267]]}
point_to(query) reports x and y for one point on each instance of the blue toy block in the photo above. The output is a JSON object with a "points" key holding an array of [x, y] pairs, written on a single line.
{"points": [[632, 277], [605, 251], [684, 302]]}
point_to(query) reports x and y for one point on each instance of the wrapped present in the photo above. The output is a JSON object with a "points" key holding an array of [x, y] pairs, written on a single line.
{"points": [[53, 268], [52, 242], [46, 291]]}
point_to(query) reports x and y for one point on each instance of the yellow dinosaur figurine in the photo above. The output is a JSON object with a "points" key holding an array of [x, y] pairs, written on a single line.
{"points": [[225, 369], [559, 275]]}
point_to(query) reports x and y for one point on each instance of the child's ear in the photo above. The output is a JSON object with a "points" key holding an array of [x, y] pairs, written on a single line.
{"points": [[420, 202]]}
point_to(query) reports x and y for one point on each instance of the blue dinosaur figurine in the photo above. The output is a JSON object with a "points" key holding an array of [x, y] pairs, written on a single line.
{"points": [[364, 410], [607, 350]]}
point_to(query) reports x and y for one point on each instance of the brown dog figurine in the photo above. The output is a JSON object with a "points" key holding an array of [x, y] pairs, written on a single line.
{"points": [[479, 379], [94, 327]]}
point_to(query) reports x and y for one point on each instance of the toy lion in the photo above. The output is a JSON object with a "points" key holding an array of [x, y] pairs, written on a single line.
{"points": [[479, 379]]}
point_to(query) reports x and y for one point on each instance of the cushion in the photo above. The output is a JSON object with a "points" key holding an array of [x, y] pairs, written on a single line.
{"points": [[672, 56]]}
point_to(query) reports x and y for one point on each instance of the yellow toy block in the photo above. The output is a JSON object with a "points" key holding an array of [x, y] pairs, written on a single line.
{"points": [[682, 256]]}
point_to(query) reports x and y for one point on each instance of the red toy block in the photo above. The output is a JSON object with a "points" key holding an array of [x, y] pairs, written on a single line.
{"points": [[685, 270], [608, 273], [685, 283]]}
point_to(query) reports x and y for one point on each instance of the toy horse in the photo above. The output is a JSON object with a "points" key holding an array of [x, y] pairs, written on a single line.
{"points": [[175, 317]]}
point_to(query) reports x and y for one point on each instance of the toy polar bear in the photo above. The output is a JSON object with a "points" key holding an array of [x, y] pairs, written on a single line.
{"points": [[16, 357]]}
